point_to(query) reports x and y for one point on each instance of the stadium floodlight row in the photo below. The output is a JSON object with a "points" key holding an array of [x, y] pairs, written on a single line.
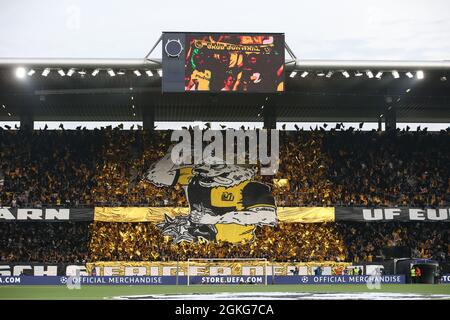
{"points": [[21, 72], [321, 68]]}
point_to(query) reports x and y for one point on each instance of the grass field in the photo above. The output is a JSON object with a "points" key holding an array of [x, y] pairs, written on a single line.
{"points": [[106, 292]]}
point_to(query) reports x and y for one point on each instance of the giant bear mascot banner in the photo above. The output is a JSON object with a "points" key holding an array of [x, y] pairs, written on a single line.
{"points": [[225, 201]]}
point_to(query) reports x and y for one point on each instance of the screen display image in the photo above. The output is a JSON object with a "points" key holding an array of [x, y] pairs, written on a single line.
{"points": [[233, 62]]}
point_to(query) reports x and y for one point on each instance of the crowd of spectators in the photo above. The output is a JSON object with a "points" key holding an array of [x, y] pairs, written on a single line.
{"points": [[285, 242], [54, 242], [333, 168], [322, 168], [47, 167], [369, 241], [78, 242], [317, 242], [390, 169]]}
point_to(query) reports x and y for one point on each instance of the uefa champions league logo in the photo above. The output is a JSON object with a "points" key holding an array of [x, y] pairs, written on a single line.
{"points": [[374, 280], [72, 282]]}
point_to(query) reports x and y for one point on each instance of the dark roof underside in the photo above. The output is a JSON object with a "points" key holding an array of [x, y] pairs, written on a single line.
{"points": [[105, 98]]}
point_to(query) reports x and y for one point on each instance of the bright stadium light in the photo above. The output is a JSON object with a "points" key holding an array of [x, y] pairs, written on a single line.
{"points": [[160, 72], [409, 75], [369, 74], [345, 74], [61, 72], [293, 74], [358, 74], [95, 72], [320, 74], [111, 73], [21, 72], [31, 72], [304, 74], [137, 73], [149, 73], [45, 72], [329, 74], [379, 74], [82, 72], [70, 72], [121, 72], [420, 75], [395, 74], [408, 90]]}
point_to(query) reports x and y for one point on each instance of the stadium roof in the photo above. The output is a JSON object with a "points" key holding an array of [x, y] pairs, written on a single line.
{"points": [[316, 90]]}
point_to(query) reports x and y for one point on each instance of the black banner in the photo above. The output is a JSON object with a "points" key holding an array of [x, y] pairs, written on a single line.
{"points": [[365, 214], [45, 214], [41, 269], [361, 214]]}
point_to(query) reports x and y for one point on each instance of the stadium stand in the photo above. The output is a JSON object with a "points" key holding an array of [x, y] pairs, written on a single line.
{"points": [[105, 167], [65, 242]]}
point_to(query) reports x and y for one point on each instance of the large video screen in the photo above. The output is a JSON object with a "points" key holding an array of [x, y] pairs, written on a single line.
{"points": [[223, 62]]}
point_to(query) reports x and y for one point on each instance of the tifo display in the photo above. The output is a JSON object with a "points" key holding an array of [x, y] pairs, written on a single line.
{"points": [[110, 208]]}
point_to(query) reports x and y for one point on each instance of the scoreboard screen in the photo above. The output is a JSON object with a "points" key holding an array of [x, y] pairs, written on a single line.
{"points": [[213, 62]]}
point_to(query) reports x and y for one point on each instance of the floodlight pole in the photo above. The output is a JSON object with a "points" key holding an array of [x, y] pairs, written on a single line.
{"points": [[390, 115], [270, 113], [146, 102], [25, 103]]}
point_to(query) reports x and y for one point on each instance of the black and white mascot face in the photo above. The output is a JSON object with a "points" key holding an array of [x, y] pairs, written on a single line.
{"points": [[225, 175]]}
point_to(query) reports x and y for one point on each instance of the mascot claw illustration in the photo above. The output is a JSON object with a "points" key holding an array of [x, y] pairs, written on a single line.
{"points": [[177, 228], [202, 215], [182, 229]]}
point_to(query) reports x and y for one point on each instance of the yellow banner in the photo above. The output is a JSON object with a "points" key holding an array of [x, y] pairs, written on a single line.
{"points": [[156, 214], [137, 214], [212, 268], [305, 214]]}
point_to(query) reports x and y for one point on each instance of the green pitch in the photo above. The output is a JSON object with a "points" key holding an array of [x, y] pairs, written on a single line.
{"points": [[107, 292]]}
